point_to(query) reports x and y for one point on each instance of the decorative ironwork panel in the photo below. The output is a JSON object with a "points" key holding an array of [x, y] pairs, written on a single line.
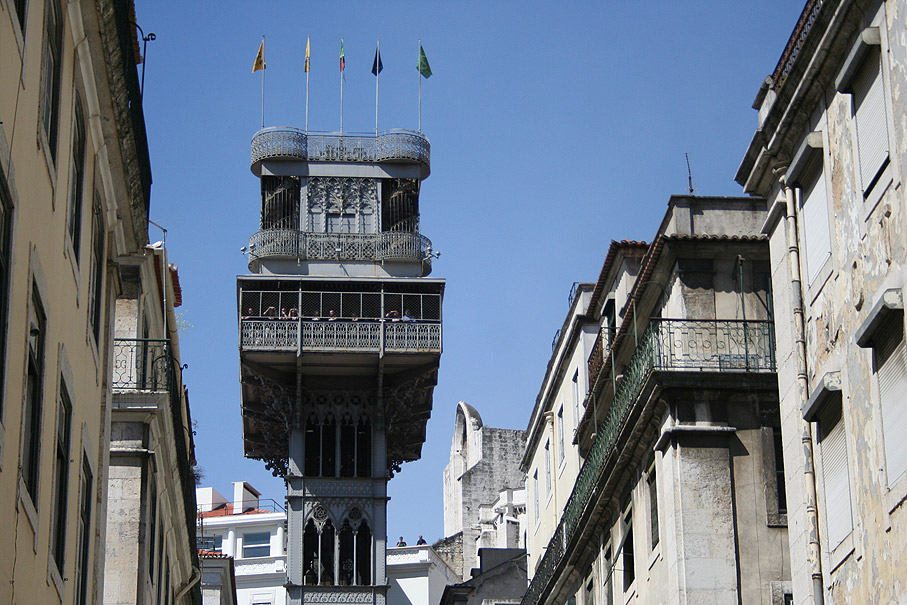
{"points": [[599, 352], [336, 594], [714, 345], [406, 336], [141, 364], [293, 143], [291, 243], [329, 335], [270, 334]]}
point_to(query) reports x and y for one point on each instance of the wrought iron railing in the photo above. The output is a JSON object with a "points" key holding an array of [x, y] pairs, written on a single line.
{"points": [[340, 335], [669, 345], [292, 243], [141, 364], [599, 353], [795, 43], [284, 142]]}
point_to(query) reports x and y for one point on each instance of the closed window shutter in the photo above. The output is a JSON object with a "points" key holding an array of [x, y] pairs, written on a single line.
{"points": [[835, 476], [871, 125], [815, 224], [892, 375]]}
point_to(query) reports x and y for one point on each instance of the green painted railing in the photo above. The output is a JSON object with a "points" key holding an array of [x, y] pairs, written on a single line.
{"points": [[666, 344]]}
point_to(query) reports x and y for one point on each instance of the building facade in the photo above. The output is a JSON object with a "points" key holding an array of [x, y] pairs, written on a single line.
{"points": [[484, 461], [679, 497], [150, 509], [829, 158], [74, 192], [252, 533], [340, 340]]}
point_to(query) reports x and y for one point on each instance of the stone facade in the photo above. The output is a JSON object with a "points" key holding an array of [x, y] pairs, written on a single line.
{"points": [[829, 157], [679, 496], [483, 462]]}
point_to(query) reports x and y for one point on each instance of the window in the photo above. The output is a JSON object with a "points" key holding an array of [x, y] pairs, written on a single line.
{"points": [[560, 435], [548, 468], [61, 477], [96, 291], [76, 181], [653, 507], [6, 226], [321, 448], [256, 544], [34, 394], [814, 218], [869, 119], [608, 574], [535, 496], [217, 544], [890, 363], [835, 475], [780, 483], [627, 549], [50, 74], [82, 591], [576, 398]]}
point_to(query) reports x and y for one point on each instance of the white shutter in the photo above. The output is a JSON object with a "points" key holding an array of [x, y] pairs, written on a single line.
{"points": [[871, 124], [893, 392], [815, 225], [835, 476]]}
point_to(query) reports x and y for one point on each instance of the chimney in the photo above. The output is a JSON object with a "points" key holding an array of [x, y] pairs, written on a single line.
{"points": [[245, 497]]}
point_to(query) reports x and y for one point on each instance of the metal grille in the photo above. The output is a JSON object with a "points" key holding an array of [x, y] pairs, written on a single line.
{"points": [[340, 305], [141, 364], [666, 344], [274, 335], [292, 243], [599, 351], [293, 143]]}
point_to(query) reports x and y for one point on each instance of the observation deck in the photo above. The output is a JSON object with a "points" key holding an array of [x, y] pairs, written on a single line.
{"points": [[390, 147]]}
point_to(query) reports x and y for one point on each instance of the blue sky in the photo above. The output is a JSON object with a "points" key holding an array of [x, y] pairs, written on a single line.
{"points": [[555, 128]]}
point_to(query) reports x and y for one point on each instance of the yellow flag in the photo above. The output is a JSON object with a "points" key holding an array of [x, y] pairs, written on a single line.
{"points": [[259, 58], [307, 55]]}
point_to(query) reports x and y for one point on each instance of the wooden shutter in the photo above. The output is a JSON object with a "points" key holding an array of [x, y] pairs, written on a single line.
{"points": [[869, 115], [892, 375], [814, 213], [835, 476]]}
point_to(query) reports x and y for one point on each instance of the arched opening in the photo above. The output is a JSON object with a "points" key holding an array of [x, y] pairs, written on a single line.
{"points": [[363, 538], [327, 554]]}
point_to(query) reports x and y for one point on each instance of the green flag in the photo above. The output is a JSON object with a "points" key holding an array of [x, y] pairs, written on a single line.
{"points": [[423, 67]]}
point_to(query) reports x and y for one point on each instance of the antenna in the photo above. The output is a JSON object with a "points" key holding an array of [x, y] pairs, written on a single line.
{"points": [[689, 173]]}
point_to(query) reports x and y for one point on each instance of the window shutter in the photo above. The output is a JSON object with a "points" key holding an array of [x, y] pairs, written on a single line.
{"points": [[871, 125], [835, 476], [815, 225], [893, 391]]}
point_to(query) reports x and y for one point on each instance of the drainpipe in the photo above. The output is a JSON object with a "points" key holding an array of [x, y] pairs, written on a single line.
{"points": [[196, 576], [814, 550]]}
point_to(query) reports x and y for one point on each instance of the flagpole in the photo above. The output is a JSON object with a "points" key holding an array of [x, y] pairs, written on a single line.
{"points": [[377, 76], [307, 67], [341, 84], [263, 70], [419, 75]]}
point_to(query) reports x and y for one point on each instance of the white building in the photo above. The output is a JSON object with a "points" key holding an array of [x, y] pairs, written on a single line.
{"points": [[252, 531], [417, 575]]}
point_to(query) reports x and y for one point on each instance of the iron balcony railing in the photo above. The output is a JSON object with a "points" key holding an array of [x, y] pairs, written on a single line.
{"points": [[332, 335], [339, 305], [142, 364], [666, 345], [599, 352], [295, 244], [284, 142]]}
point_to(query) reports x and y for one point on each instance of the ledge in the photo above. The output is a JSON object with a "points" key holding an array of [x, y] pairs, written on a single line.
{"points": [[891, 302], [830, 384]]}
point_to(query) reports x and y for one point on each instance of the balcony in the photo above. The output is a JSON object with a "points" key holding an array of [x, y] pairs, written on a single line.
{"points": [[286, 143], [600, 351], [301, 245], [142, 364], [668, 345], [328, 336]]}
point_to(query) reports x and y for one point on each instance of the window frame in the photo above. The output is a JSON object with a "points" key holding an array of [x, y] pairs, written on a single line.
{"points": [[86, 480], [75, 199], [6, 236], [51, 75], [63, 444], [33, 409], [96, 269], [246, 547]]}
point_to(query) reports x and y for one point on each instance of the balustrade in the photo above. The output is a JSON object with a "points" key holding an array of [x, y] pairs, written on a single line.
{"points": [[339, 335], [295, 144], [141, 364], [302, 245]]}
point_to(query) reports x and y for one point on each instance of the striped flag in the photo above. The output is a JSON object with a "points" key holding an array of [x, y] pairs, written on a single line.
{"points": [[342, 56], [307, 55]]}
